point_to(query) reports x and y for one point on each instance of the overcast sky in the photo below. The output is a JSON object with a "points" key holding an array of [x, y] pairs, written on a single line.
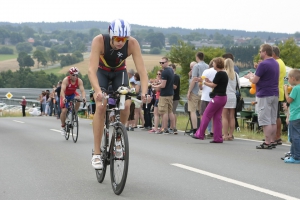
{"points": [[250, 15]]}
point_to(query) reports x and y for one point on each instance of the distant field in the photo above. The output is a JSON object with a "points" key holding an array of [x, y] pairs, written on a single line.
{"points": [[150, 62], [4, 57]]}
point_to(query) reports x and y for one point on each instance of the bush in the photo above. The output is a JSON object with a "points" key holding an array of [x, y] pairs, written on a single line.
{"points": [[6, 50]]}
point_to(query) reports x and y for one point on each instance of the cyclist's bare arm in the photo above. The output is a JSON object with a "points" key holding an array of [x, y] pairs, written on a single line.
{"points": [[135, 50], [80, 85], [96, 51], [63, 88]]}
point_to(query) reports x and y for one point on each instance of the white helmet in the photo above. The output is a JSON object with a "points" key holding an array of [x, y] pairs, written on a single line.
{"points": [[74, 70], [119, 28]]}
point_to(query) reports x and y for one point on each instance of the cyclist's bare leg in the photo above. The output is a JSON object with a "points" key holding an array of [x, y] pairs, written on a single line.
{"points": [[124, 114], [98, 125], [63, 115]]}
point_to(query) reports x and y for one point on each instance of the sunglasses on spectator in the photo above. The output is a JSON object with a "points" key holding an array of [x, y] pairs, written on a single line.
{"points": [[120, 39], [75, 75], [162, 63], [158, 74]]}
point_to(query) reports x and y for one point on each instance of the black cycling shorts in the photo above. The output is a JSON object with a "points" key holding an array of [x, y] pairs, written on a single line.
{"points": [[115, 78]]}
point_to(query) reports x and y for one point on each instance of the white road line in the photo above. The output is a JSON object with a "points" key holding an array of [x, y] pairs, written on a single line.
{"points": [[19, 121], [239, 183], [56, 130]]}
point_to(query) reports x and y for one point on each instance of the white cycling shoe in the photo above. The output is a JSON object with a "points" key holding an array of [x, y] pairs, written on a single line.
{"points": [[97, 162], [119, 151], [63, 131]]}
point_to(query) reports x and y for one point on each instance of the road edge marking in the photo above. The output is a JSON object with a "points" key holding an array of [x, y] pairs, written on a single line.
{"points": [[239, 183]]}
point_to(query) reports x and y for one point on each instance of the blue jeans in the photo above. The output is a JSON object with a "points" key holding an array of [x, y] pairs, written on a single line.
{"points": [[294, 130]]}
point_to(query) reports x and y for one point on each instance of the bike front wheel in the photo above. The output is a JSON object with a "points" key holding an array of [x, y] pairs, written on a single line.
{"points": [[119, 158], [75, 127]]}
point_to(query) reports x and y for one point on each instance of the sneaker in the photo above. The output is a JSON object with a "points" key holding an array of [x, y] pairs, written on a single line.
{"points": [[209, 136], [158, 132], [166, 132], [119, 152], [291, 160], [175, 131], [131, 129], [264, 146], [63, 131], [288, 154], [97, 162]]}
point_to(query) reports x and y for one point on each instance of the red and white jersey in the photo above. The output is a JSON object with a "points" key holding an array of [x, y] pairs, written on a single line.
{"points": [[71, 89]]}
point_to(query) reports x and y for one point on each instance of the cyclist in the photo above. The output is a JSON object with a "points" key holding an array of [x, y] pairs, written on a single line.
{"points": [[68, 92], [107, 63]]}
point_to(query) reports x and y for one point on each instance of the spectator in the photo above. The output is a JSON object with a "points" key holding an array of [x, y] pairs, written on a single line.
{"points": [[130, 73], [165, 106], [138, 111], [228, 119], [34, 111], [131, 122], [215, 106], [294, 116], [156, 82], [205, 99], [237, 70], [229, 55], [23, 103], [266, 80], [282, 73], [192, 95], [176, 96], [57, 90]]}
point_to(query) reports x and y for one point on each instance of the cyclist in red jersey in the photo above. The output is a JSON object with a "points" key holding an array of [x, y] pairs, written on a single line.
{"points": [[107, 64], [68, 92]]}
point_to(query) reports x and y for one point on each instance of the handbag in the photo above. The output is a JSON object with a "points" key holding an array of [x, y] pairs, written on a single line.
{"points": [[239, 99]]}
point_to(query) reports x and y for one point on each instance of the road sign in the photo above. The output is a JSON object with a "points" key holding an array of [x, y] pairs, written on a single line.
{"points": [[9, 95]]}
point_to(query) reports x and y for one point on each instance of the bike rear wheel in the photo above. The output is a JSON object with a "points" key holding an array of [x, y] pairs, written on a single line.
{"points": [[74, 126], [119, 160], [100, 173]]}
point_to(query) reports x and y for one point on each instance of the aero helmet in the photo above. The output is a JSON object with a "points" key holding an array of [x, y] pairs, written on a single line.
{"points": [[74, 70], [119, 28]]}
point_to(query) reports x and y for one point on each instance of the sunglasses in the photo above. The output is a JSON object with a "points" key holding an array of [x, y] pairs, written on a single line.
{"points": [[120, 39], [162, 63], [158, 74], [75, 75]]}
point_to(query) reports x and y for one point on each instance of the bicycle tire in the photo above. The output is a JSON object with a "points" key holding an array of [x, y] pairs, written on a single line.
{"points": [[100, 173], [74, 126], [118, 181]]}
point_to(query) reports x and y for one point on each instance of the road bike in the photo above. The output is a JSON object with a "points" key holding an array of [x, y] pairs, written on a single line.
{"points": [[115, 147], [72, 125]]}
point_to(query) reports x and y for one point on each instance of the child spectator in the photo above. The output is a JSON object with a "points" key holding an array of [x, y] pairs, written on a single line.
{"points": [[294, 117]]}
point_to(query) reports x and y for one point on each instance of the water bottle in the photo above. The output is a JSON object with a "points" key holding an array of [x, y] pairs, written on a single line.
{"points": [[69, 115]]}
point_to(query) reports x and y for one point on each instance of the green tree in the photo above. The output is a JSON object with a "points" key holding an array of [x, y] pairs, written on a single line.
{"points": [[155, 50], [173, 39], [6, 50], [40, 57], [94, 32], [289, 52], [4, 34], [28, 32], [52, 55], [24, 47], [16, 38]]}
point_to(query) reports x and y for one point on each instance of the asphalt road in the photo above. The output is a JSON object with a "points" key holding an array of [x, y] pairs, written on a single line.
{"points": [[38, 163]]}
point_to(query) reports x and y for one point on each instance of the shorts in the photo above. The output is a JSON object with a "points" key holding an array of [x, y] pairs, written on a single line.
{"points": [[194, 103], [267, 110], [203, 106], [70, 97], [279, 108], [116, 79], [156, 103], [165, 104], [175, 104]]}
